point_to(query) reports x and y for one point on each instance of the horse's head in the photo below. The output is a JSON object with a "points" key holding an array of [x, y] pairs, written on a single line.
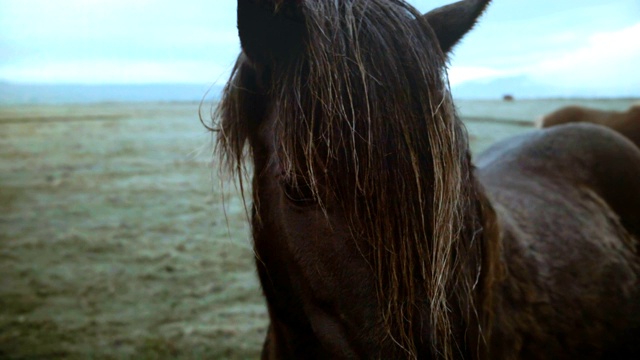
{"points": [[361, 167]]}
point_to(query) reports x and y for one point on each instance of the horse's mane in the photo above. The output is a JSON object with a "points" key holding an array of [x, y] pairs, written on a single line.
{"points": [[364, 113]]}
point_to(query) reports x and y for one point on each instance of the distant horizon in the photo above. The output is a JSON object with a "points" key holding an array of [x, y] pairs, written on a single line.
{"points": [[12, 93], [37, 83]]}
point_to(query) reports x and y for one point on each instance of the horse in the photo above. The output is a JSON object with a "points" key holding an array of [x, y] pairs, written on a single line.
{"points": [[625, 122], [375, 236]]}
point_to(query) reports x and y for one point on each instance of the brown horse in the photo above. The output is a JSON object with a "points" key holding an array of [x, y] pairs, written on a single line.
{"points": [[627, 122], [376, 238]]}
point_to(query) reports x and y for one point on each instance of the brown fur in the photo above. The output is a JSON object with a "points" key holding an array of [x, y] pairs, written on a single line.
{"points": [[625, 122], [374, 237]]}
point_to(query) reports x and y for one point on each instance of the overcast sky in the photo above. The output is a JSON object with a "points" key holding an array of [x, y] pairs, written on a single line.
{"points": [[572, 43]]}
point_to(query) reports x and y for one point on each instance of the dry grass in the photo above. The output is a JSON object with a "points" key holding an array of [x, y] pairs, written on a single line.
{"points": [[114, 242]]}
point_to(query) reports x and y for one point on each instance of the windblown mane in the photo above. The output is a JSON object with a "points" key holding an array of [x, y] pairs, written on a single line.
{"points": [[363, 114]]}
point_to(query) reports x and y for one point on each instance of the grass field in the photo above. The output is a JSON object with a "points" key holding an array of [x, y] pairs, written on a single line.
{"points": [[114, 243]]}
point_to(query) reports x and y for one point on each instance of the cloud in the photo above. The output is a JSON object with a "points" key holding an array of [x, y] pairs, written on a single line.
{"points": [[117, 72], [117, 41], [114, 41], [605, 62], [461, 74], [609, 59]]}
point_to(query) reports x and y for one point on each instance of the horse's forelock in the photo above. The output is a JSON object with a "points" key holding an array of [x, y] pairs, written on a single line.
{"points": [[367, 109]]}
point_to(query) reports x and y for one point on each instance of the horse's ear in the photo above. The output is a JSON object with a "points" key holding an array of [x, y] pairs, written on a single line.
{"points": [[451, 22], [271, 31]]}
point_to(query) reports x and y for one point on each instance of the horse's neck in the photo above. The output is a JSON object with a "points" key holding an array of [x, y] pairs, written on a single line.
{"points": [[480, 242], [493, 273]]}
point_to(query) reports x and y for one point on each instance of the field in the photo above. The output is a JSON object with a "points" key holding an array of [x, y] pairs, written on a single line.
{"points": [[117, 240]]}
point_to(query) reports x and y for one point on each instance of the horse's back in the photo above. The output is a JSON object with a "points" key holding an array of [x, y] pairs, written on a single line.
{"points": [[627, 123], [559, 160], [574, 113], [568, 200]]}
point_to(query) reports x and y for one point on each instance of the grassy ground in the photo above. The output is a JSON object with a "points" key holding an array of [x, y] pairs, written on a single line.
{"points": [[114, 242]]}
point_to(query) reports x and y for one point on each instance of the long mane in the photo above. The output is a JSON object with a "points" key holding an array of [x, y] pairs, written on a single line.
{"points": [[364, 114]]}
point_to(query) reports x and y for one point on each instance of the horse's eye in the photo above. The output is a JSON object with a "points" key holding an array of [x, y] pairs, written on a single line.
{"points": [[299, 193]]}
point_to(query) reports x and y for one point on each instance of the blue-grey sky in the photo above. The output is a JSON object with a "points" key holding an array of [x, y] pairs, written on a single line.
{"points": [[592, 44]]}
